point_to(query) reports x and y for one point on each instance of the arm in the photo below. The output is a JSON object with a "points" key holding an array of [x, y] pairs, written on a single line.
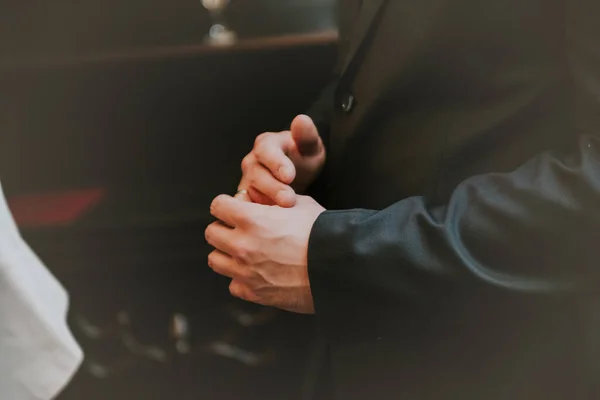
{"points": [[38, 355], [532, 231]]}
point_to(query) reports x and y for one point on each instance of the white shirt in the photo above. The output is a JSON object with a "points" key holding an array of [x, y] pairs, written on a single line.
{"points": [[38, 354]]}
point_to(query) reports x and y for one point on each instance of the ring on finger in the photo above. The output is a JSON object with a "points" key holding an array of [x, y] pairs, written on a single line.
{"points": [[243, 192]]}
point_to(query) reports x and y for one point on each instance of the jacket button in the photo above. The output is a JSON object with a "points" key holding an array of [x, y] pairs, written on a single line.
{"points": [[348, 102]]}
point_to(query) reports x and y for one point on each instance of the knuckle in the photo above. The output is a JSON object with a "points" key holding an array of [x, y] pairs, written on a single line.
{"points": [[211, 261], [261, 152], [245, 274], [267, 150], [244, 253], [260, 139], [248, 162], [208, 233], [245, 219], [220, 198], [243, 256], [236, 290], [215, 204]]}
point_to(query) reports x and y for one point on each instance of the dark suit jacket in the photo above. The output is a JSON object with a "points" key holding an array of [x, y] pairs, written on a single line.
{"points": [[462, 243]]}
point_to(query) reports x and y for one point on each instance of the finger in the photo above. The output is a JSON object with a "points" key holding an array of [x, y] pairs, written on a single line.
{"points": [[221, 237], [306, 136], [241, 291], [260, 198], [233, 243], [262, 186], [261, 179], [243, 192], [271, 152], [254, 195], [234, 212], [224, 264]]}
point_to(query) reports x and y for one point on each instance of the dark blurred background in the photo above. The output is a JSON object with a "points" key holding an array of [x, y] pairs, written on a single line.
{"points": [[118, 125]]}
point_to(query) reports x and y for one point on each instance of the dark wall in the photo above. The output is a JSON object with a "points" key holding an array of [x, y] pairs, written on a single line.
{"points": [[156, 121]]}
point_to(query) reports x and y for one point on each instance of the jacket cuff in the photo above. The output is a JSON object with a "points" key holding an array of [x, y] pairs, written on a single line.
{"points": [[335, 268]]}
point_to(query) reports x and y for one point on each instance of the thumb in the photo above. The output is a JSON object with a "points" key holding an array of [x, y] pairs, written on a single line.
{"points": [[306, 136]]}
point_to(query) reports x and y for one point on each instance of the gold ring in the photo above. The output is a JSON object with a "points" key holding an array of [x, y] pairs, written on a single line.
{"points": [[241, 191]]}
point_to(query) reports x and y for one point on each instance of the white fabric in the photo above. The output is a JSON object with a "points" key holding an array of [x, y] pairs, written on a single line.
{"points": [[38, 354]]}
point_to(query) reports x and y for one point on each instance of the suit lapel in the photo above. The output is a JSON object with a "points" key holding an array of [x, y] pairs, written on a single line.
{"points": [[370, 9]]}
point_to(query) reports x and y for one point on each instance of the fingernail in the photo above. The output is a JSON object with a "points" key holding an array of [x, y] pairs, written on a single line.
{"points": [[285, 173], [285, 197]]}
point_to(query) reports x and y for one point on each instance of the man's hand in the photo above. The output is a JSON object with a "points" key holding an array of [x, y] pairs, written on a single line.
{"points": [[283, 164], [263, 249]]}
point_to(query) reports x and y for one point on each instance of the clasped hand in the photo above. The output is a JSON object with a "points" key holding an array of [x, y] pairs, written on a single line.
{"points": [[261, 238]]}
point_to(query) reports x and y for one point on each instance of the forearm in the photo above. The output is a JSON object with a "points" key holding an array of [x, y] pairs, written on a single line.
{"points": [[38, 354]]}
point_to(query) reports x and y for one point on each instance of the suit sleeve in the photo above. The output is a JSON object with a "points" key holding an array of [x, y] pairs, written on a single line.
{"points": [[531, 231]]}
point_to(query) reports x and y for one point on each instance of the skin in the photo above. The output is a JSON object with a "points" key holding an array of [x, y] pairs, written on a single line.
{"points": [[261, 238], [284, 163]]}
